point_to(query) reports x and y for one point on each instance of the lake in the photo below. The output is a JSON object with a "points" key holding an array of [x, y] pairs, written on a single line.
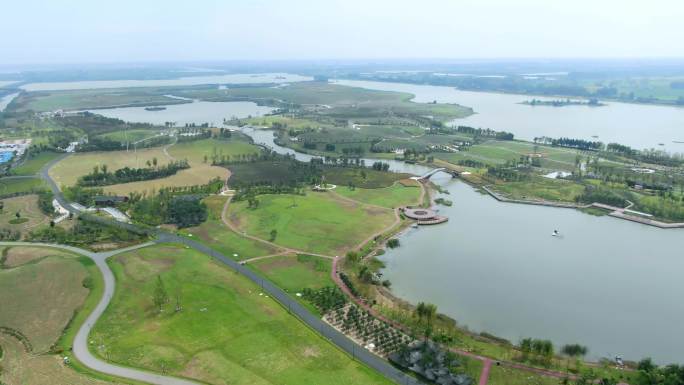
{"points": [[609, 284], [182, 81], [605, 283], [636, 125], [196, 112]]}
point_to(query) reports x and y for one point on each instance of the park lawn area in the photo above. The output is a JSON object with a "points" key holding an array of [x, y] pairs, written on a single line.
{"points": [[362, 177], [226, 333], [12, 186], [293, 273], [45, 294], [33, 164], [296, 123], [67, 171], [541, 188], [317, 222], [27, 207], [129, 135], [216, 234], [391, 197], [195, 151]]}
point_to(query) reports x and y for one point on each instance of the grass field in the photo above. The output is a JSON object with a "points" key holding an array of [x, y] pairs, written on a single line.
{"points": [[87, 99], [372, 179], [67, 171], [32, 165], [226, 332], [542, 188], [394, 196], [16, 256], [506, 376], [21, 367], [9, 187], [317, 222], [27, 207], [293, 273], [129, 136], [45, 294], [215, 233]]}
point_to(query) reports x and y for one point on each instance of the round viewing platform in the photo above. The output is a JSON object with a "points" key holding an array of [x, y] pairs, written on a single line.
{"points": [[423, 216]]}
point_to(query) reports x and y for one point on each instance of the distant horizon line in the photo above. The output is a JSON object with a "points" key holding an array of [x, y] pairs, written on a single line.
{"points": [[28, 66]]}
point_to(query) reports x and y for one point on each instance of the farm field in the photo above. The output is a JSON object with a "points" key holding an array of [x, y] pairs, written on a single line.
{"points": [[27, 207], [14, 186], [226, 332], [391, 197], [67, 171], [317, 222], [33, 164], [214, 233]]}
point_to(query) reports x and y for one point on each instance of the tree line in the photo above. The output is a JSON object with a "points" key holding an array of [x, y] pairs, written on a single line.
{"points": [[100, 176]]}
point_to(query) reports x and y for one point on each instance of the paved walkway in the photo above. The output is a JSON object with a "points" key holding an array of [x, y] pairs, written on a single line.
{"points": [[80, 346]]}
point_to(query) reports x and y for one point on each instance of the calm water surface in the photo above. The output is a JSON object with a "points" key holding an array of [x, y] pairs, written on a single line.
{"points": [[635, 125], [609, 284]]}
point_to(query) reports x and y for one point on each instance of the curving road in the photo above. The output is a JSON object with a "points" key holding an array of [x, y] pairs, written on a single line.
{"points": [[80, 346], [294, 307]]}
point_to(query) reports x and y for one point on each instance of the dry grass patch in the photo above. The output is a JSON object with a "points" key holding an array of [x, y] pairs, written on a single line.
{"points": [[17, 256]]}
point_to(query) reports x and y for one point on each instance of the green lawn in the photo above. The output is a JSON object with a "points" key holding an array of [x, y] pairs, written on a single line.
{"points": [[96, 98], [391, 197], [542, 188], [33, 164], [195, 151], [293, 273], [226, 333], [129, 135], [364, 178], [317, 222], [213, 232], [10, 187]]}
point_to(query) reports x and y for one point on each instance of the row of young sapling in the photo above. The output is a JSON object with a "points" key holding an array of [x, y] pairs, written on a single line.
{"points": [[376, 335]]}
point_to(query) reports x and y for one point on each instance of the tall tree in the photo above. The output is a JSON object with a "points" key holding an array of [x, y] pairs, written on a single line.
{"points": [[160, 296]]}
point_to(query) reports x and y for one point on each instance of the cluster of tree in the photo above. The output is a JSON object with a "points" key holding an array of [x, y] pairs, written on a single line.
{"points": [[326, 298], [102, 177], [651, 374], [427, 311], [100, 144], [84, 196], [350, 285], [381, 166], [192, 134], [84, 234], [224, 133], [506, 173], [593, 194], [45, 198], [540, 351], [219, 159], [93, 124], [9, 234], [486, 132], [181, 206], [579, 144], [471, 163], [160, 296]]}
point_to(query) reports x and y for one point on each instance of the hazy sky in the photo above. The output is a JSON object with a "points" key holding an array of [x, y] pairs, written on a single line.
{"points": [[35, 31]]}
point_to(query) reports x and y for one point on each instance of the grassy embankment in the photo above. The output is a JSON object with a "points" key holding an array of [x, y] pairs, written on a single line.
{"points": [[27, 207], [12, 187], [49, 302], [226, 332], [33, 164]]}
